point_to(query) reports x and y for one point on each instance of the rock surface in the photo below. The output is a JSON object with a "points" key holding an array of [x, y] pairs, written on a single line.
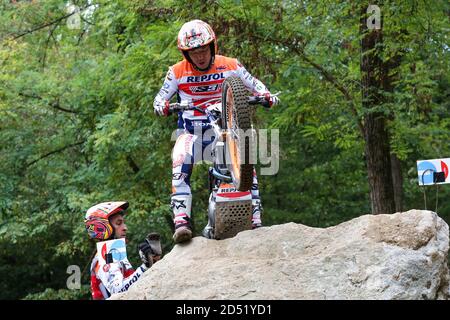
{"points": [[398, 256]]}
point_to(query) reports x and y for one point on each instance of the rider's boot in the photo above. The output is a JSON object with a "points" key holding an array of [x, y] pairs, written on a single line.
{"points": [[257, 212], [181, 206]]}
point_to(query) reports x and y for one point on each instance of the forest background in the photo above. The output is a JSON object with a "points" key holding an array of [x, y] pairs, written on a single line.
{"points": [[360, 105]]}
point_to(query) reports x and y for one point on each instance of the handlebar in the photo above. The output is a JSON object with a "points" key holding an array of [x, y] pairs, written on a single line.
{"points": [[259, 100], [180, 106], [189, 105]]}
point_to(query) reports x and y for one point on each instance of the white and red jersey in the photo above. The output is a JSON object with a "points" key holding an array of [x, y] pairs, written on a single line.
{"points": [[199, 86], [112, 278]]}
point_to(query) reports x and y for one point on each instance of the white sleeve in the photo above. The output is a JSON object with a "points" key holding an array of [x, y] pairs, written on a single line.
{"points": [[113, 279], [168, 89], [253, 84]]}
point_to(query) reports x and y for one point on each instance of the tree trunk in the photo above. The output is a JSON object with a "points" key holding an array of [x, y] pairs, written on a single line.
{"points": [[397, 180], [377, 148], [378, 164], [390, 76]]}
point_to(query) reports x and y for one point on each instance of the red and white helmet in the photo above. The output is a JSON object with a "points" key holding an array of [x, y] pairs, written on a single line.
{"points": [[194, 34], [97, 219]]}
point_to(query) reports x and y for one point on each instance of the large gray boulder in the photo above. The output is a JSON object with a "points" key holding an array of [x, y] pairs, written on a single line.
{"points": [[398, 256]]}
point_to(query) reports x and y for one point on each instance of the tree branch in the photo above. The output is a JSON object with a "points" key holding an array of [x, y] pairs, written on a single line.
{"points": [[293, 45], [81, 36], [50, 35], [54, 104], [88, 22], [58, 107], [45, 25], [53, 152]]}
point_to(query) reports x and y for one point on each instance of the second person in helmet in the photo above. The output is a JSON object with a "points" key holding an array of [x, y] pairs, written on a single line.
{"points": [[198, 78], [106, 221]]}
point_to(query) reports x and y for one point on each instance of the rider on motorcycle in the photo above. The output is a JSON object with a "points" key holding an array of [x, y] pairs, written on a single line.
{"points": [[198, 78], [105, 221]]}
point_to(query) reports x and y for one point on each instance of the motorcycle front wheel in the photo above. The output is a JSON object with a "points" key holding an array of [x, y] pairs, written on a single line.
{"points": [[240, 138]]}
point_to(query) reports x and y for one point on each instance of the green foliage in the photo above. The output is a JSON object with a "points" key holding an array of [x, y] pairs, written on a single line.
{"points": [[77, 125], [61, 294]]}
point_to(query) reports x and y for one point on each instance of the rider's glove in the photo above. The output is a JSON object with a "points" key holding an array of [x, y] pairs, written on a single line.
{"points": [[273, 100], [145, 252], [162, 109], [150, 249]]}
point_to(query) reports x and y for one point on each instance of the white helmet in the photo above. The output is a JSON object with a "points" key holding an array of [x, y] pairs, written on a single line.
{"points": [[195, 34]]}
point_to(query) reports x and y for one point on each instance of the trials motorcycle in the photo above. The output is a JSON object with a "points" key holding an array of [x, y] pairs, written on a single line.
{"points": [[231, 174]]}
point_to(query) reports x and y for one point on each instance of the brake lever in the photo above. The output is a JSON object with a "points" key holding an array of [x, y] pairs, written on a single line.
{"points": [[255, 100], [265, 103], [179, 106]]}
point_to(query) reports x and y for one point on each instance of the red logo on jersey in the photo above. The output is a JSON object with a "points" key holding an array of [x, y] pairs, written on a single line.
{"points": [[206, 77]]}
